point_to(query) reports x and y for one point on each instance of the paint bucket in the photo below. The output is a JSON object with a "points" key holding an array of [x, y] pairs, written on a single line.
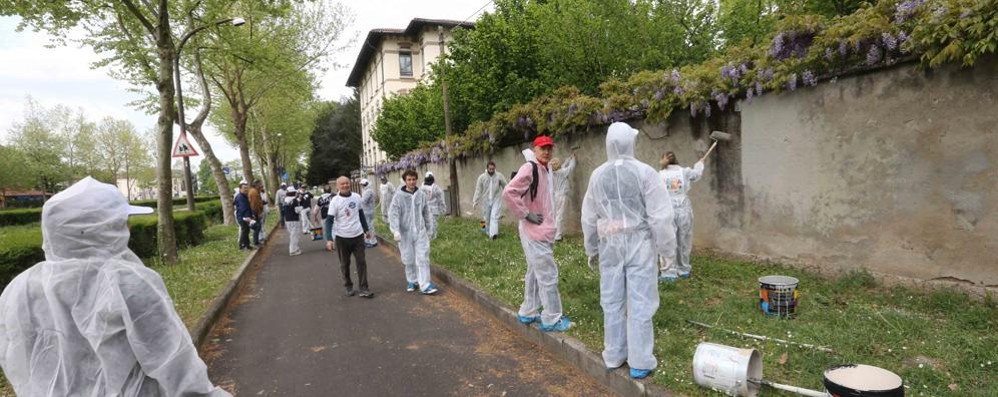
{"points": [[778, 295], [860, 380], [727, 369]]}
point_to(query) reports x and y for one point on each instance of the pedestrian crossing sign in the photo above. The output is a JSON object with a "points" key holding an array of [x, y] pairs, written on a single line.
{"points": [[183, 147]]}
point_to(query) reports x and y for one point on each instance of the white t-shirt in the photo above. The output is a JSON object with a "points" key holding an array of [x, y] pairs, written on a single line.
{"points": [[346, 213]]}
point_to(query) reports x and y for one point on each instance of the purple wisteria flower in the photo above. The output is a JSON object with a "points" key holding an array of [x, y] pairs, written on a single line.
{"points": [[768, 74], [721, 98], [809, 78], [678, 90], [749, 94], [675, 76], [889, 41], [940, 12], [829, 54], [843, 48], [906, 9], [776, 47], [706, 109], [693, 109], [659, 94], [873, 56], [792, 82], [966, 13], [572, 109], [758, 88], [743, 69]]}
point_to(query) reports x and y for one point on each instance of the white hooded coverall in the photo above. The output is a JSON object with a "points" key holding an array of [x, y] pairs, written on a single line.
{"points": [[368, 203], [437, 204], [92, 320], [386, 190], [410, 221], [627, 221], [561, 185], [488, 193], [677, 180]]}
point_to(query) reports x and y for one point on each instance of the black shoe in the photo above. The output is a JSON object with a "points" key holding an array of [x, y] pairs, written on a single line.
{"points": [[351, 292], [366, 294], [496, 237]]}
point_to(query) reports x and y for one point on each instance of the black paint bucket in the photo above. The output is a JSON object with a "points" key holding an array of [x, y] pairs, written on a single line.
{"points": [[778, 295], [860, 380]]}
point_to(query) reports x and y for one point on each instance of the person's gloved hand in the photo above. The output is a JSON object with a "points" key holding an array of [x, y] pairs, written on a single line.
{"points": [[397, 236], [594, 263], [535, 218]]}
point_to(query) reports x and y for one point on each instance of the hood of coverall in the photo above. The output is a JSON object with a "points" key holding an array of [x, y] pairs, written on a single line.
{"points": [[89, 220], [528, 154], [620, 139]]}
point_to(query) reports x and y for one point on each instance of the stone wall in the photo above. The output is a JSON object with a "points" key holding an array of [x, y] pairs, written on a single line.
{"points": [[895, 171]]}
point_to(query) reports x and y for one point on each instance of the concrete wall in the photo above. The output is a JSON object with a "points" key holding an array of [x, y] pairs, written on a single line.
{"points": [[895, 171]]}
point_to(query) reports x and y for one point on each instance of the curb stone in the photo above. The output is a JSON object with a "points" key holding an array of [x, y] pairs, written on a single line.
{"points": [[207, 320], [563, 347]]}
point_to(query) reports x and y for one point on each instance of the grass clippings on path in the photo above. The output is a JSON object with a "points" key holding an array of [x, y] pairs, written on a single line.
{"points": [[940, 342]]}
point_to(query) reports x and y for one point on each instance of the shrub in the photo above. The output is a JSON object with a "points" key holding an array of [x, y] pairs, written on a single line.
{"points": [[21, 246], [20, 216]]}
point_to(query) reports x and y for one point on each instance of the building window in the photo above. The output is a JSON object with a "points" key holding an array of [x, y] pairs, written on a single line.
{"points": [[405, 64]]}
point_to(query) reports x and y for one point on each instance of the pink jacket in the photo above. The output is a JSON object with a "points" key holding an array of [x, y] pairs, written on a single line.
{"points": [[543, 204]]}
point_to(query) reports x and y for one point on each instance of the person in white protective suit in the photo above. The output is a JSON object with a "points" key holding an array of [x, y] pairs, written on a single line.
{"points": [[626, 224], [368, 202], [293, 208], [306, 209], [435, 200], [562, 184], [530, 198], [488, 194], [386, 192], [410, 221], [92, 320], [676, 264]]}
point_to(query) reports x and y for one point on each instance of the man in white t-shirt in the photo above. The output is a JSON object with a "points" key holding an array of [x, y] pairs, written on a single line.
{"points": [[348, 231]]}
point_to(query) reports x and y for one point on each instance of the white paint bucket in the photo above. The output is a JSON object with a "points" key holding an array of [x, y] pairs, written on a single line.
{"points": [[727, 369]]}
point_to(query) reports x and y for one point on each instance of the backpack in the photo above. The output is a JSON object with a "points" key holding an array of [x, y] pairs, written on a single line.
{"points": [[532, 190]]}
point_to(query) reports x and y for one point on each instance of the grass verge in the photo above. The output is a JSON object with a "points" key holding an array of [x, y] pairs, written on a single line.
{"points": [[200, 275], [940, 342]]}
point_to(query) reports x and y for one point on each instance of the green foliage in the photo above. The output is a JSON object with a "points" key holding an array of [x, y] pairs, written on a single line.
{"points": [[407, 121], [21, 216], [20, 248], [336, 145], [802, 50]]}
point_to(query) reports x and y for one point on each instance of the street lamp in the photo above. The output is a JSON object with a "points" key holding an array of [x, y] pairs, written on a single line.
{"points": [[180, 98]]}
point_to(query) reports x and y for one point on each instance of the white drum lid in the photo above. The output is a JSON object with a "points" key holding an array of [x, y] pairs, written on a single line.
{"points": [[778, 280], [862, 377]]}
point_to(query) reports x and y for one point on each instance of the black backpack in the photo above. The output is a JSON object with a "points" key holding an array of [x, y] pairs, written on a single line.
{"points": [[532, 190]]}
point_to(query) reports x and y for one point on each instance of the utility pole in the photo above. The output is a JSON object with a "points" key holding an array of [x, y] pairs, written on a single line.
{"points": [[455, 195]]}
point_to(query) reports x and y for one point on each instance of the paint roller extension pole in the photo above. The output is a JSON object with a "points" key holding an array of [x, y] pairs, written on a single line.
{"points": [[717, 136], [793, 389], [762, 337]]}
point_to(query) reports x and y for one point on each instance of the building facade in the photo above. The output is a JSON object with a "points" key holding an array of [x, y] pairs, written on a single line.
{"points": [[391, 62]]}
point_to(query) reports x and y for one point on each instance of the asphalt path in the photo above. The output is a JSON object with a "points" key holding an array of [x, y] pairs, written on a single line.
{"points": [[292, 331]]}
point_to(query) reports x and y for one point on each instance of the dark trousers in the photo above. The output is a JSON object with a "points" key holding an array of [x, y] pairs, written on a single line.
{"points": [[352, 246], [281, 207], [244, 230], [256, 232]]}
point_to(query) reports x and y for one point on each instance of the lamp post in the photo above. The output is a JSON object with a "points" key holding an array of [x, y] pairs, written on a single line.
{"points": [[180, 98]]}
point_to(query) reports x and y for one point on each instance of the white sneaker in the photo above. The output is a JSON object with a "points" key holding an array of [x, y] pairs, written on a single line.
{"points": [[296, 253]]}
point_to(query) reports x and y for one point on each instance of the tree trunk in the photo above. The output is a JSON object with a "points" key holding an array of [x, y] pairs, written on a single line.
{"points": [[271, 158], [239, 122], [166, 239], [228, 210]]}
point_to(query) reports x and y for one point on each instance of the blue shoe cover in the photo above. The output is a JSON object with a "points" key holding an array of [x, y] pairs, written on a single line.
{"points": [[561, 326], [528, 320], [640, 373]]}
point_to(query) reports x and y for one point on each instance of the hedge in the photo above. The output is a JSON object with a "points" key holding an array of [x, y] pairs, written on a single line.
{"points": [[21, 246], [34, 215], [21, 216]]}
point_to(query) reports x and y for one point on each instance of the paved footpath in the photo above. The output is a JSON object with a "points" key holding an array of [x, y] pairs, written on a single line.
{"points": [[292, 332]]}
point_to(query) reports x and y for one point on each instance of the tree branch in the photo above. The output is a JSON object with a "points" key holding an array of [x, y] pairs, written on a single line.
{"points": [[146, 67], [138, 14], [206, 103]]}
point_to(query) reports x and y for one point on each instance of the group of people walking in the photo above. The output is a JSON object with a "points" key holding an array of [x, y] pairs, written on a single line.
{"points": [[636, 222]]}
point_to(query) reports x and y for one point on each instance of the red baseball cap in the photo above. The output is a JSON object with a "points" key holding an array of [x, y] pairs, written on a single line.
{"points": [[543, 140]]}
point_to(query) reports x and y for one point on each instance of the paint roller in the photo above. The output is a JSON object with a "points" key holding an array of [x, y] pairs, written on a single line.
{"points": [[717, 136]]}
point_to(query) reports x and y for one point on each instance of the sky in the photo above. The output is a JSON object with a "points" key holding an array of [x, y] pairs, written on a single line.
{"points": [[62, 75]]}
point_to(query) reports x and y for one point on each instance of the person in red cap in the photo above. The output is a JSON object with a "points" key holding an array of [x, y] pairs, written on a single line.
{"points": [[530, 197]]}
